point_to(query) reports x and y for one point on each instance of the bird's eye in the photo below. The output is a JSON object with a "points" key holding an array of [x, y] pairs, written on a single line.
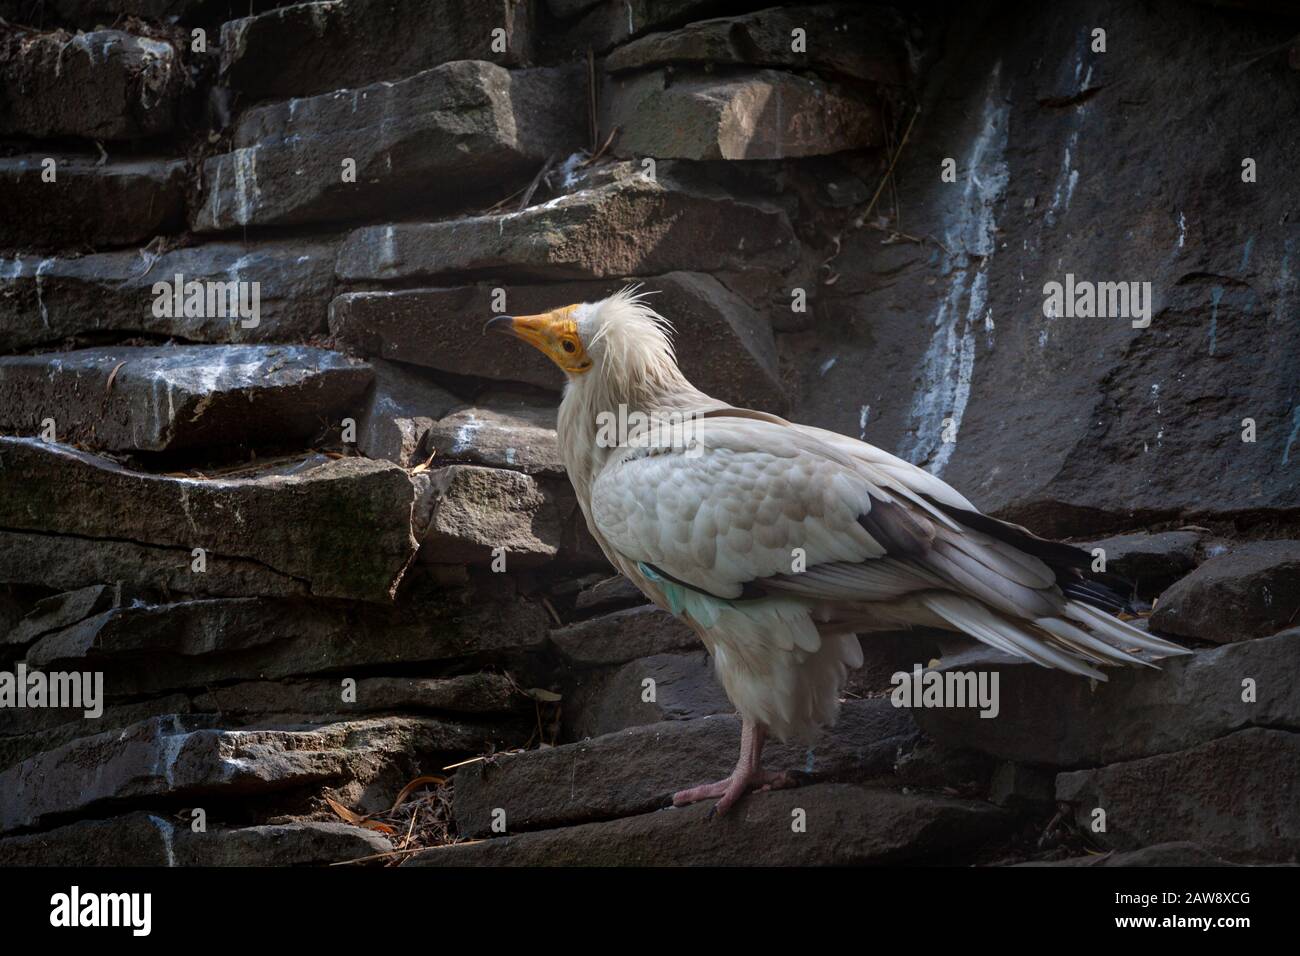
{"points": [[569, 346]]}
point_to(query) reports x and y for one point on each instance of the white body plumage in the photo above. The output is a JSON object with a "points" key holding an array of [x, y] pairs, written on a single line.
{"points": [[778, 543]]}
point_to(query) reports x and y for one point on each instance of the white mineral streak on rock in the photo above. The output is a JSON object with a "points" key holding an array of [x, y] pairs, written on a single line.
{"points": [[157, 59], [388, 252], [41, 269], [170, 751], [949, 362], [569, 170], [464, 440], [1068, 178], [168, 834], [248, 195]]}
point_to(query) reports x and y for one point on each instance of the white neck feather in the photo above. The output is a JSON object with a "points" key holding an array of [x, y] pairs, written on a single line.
{"points": [[634, 369]]}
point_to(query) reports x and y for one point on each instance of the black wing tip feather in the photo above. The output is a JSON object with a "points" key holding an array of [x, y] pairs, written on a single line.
{"points": [[1054, 553], [1095, 593], [1066, 560]]}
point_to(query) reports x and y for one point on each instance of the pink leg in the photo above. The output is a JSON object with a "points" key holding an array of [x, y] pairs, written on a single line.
{"points": [[748, 775]]}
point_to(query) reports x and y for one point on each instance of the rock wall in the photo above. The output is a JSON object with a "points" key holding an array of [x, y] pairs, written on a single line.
{"points": [[258, 466]]}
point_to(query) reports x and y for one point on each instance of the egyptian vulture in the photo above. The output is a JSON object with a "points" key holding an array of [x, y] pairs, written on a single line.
{"points": [[779, 543]]}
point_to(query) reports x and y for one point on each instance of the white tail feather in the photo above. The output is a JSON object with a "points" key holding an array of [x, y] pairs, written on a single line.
{"points": [[979, 622], [1112, 628]]}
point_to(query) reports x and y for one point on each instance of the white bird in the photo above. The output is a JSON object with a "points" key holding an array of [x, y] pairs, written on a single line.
{"points": [[779, 543]]}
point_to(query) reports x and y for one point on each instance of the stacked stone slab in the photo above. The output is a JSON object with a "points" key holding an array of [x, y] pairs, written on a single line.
{"points": [[324, 546]]}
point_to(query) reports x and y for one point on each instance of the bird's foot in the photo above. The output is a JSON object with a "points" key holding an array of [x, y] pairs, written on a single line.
{"points": [[732, 788]]}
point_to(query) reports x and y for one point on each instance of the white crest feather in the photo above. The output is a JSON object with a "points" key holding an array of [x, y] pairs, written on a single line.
{"points": [[631, 341]]}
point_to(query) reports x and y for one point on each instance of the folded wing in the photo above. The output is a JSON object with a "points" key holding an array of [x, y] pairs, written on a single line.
{"points": [[752, 508]]}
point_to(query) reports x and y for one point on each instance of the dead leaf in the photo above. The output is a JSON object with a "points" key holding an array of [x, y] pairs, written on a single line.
{"points": [[112, 376], [424, 465], [416, 784], [543, 695], [346, 815]]}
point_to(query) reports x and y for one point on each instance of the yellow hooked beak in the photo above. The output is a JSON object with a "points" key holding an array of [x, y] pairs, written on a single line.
{"points": [[554, 334]]}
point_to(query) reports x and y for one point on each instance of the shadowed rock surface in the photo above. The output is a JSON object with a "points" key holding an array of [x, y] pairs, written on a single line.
{"points": [[845, 825], [48, 300], [458, 123], [105, 84], [141, 839], [1250, 592], [163, 399], [114, 204], [439, 328], [309, 47], [1236, 796], [321, 554], [317, 512]]}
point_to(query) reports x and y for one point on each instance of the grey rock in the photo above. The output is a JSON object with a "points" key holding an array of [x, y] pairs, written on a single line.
{"points": [[623, 225], [845, 825], [187, 396], [768, 114], [315, 47], [608, 594], [637, 770], [319, 517], [31, 556], [887, 653], [563, 9], [145, 839], [470, 125], [174, 756], [400, 414], [119, 203], [862, 42], [88, 13], [28, 731], [1235, 796], [724, 346], [104, 85], [478, 510], [49, 299], [63, 610], [1162, 854], [1051, 719], [501, 431], [479, 693], [204, 642], [1107, 427], [929, 765], [1150, 561], [684, 688], [1251, 592], [14, 606], [606, 23], [623, 636], [1019, 787]]}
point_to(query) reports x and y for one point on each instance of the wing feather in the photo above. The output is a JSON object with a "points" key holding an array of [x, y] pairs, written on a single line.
{"points": [[749, 505], [747, 502]]}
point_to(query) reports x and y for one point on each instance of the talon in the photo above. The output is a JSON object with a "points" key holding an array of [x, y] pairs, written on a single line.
{"points": [[749, 776]]}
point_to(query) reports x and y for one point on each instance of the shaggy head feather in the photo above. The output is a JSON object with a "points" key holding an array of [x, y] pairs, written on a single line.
{"points": [[629, 342]]}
